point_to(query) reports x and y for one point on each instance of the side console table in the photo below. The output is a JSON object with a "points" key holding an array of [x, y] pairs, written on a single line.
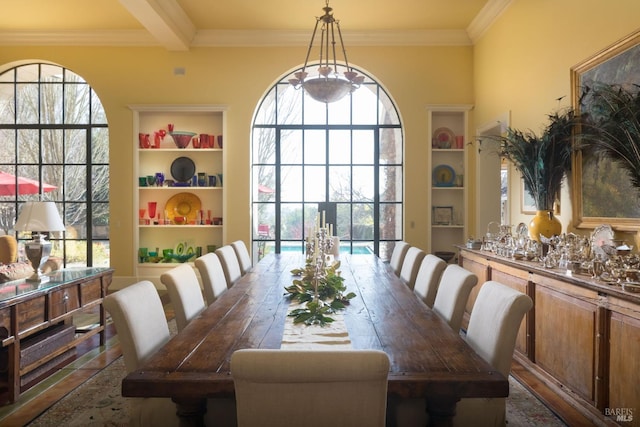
{"points": [[40, 323], [582, 337]]}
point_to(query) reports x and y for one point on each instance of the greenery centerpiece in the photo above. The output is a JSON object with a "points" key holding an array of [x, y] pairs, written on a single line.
{"points": [[319, 286], [543, 162], [323, 293]]}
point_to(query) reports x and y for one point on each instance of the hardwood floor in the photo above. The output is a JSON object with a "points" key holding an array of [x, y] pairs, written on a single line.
{"points": [[37, 398]]}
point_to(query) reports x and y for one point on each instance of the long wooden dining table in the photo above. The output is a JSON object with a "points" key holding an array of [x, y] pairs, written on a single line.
{"points": [[428, 359]]}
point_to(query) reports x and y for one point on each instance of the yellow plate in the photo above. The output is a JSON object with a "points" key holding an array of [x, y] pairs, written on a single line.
{"points": [[185, 204]]}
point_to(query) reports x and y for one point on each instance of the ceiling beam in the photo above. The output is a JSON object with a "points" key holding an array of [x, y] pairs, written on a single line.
{"points": [[165, 20]]}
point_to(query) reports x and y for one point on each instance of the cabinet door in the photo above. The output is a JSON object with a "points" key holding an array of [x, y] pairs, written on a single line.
{"points": [[565, 331], [479, 267], [518, 281], [624, 364]]}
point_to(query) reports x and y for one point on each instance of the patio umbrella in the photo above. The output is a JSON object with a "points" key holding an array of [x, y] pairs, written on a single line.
{"points": [[265, 189], [25, 185]]}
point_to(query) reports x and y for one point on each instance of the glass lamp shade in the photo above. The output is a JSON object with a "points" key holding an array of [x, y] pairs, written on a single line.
{"points": [[39, 217], [327, 89]]}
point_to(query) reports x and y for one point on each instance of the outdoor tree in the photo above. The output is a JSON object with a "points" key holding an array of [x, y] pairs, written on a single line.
{"points": [[55, 133]]}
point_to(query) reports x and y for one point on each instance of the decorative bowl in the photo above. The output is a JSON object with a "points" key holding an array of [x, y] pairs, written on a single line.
{"points": [[445, 255], [180, 219], [183, 257], [182, 139]]}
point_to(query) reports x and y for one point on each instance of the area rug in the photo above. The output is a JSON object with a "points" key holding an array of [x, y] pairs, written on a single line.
{"points": [[525, 410], [98, 403]]}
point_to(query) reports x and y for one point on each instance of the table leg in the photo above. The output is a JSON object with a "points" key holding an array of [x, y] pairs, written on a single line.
{"points": [[191, 412], [441, 411]]}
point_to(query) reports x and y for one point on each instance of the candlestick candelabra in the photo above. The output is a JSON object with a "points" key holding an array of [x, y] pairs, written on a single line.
{"points": [[320, 285]]}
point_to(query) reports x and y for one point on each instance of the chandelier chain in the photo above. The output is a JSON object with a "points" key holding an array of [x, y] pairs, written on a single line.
{"points": [[329, 85]]}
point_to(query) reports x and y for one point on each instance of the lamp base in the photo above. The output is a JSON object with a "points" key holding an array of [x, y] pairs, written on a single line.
{"points": [[37, 252]]}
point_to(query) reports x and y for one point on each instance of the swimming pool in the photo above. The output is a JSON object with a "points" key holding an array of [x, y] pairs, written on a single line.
{"points": [[358, 248]]}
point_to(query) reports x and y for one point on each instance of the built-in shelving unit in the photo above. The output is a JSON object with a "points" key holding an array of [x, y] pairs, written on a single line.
{"points": [[447, 130], [198, 199]]}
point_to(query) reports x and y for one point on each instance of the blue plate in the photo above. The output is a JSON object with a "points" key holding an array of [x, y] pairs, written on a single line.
{"points": [[443, 176]]}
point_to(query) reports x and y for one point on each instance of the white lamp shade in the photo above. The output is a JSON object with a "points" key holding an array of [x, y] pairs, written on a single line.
{"points": [[39, 216]]}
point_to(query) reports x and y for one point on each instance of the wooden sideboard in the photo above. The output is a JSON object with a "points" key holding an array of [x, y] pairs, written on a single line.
{"points": [[42, 323], [582, 337]]}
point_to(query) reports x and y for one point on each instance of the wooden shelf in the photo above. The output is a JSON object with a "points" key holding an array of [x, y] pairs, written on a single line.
{"points": [[199, 119], [452, 120]]}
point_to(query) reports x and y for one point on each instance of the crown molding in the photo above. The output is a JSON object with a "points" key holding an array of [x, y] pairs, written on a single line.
{"points": [[168, 26], [231, 38], [78, 38], [241, 38], [486, 17]]}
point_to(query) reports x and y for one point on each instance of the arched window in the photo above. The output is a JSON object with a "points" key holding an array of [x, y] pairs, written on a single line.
{"points": [[53, 131], [344, 157]]}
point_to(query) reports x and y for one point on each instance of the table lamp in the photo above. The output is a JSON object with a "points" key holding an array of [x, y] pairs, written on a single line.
{"points": [[39, 217]]}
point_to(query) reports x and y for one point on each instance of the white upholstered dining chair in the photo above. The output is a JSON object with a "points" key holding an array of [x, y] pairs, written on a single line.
{"points": [[212, 274], [411, 264], [312, 388], [230, 264], [492, 332], [397, 256], [453, 292], [184, 291], [244, 259], [142, 329], [428, 278]]}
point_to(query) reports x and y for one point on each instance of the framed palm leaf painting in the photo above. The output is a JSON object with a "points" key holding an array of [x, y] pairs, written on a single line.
{"points": [[602, 191]]}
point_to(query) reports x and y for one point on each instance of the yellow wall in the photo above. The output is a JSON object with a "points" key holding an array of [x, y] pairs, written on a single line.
{"points": [[238, 77], [522, 64]]}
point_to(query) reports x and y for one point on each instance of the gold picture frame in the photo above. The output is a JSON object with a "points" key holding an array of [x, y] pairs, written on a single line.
{"points": [[593, 201], [442, 215], [528, 205]]}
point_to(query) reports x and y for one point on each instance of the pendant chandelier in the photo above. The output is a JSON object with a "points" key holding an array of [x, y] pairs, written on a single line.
{"points": [[329, 85]]}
